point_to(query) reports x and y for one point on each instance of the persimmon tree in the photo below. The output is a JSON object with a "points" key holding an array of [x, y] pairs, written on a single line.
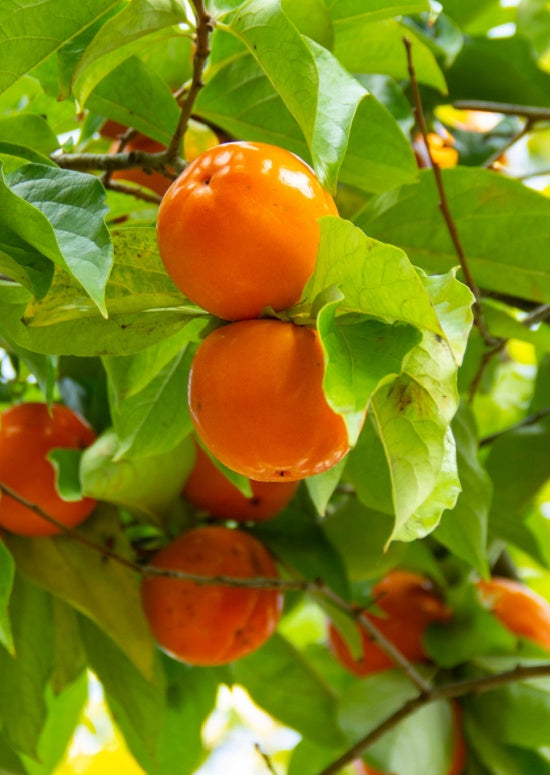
{"points": [[428, 305]]}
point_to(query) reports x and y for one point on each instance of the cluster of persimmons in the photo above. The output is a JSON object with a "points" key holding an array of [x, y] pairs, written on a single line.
{"points": [[238, 233]]}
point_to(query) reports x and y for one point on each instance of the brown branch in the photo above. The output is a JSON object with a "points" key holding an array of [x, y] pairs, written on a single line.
{"points": [[526, 128], [537, 315], [202, 52], [374, 633], [109, 162], [444, 203], [530, 420], [447, 691], [138, 192], [529, 112], [266, 759]]}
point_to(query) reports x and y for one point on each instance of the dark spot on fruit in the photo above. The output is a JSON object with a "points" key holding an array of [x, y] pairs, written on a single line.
{"points": [[254, 501]]}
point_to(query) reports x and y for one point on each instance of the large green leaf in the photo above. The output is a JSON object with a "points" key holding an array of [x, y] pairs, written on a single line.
{"points": [[376, 279], [157, 418], [66, 209], [105, 591], [24, 677], [278, 671], [463, 530], [30, 32], [503, 226], [122, 36], [136, 96], [30, 130], [347, 12], [321, 96], [137, 704], [7, 571], [382, 51], [499, 70], [517, 714], [144, 306]]}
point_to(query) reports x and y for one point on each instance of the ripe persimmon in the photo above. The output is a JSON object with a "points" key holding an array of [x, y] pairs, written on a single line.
{"points": [[257, 403], [442, 150], [238, 229], [520, 610], [27, 433], [155, 181], [211, 624], [410, 603], [209, 490]]}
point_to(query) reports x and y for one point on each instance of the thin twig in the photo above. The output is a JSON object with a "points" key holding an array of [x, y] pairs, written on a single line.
{"points": [[512, 141], [533, 114], [202, 52], [266, 759], [444, 203], [447, 691], [485, 361], [139, 193], [530, 420], [537, 315], [374, 633]]}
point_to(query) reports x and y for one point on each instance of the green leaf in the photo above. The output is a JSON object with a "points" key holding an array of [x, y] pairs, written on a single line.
{"points": [[146, 485], [489, 751], [13, 155], [465, 11], [499, 70], [10, 763], [501, 323], [31, 32], [64, 711], [136, 96], [190, 698], [136, 703], [366, 703], [70, 660], [66, 464], [278, 671], [347, 12], [312, 19], [24, 677], [502, 224], [239, 98], [7, 572], [105, 591], [43, 367], [74, 204], [382, 51], [518, 466], [322, 486], [29, 130], [157, 418], [360, 358], [516, 714], [375, 278], [296, 538], [122, 36], [533, 23], [144, 306], [464, 529]]}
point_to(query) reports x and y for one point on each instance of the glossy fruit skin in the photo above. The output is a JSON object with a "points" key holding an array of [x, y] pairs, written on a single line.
{"points": [[238, 229], [257, 402], [410, 604], [153, 181], [518, 608], [211, 624], [209, 490], [27, 433]]}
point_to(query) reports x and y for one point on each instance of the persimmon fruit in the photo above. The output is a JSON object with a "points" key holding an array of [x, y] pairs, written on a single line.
{"points": [[519, 609], [442, 150], [28, 432], [238, 230], [409, 603], [209, 490], [257, 403], [211, 624]]}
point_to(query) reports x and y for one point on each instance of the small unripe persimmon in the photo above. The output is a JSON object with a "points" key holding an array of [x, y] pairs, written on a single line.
{"points": [[211, 624], [409, 603], [238, 230], [257, 402], [209, 490], [28, 432]]}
